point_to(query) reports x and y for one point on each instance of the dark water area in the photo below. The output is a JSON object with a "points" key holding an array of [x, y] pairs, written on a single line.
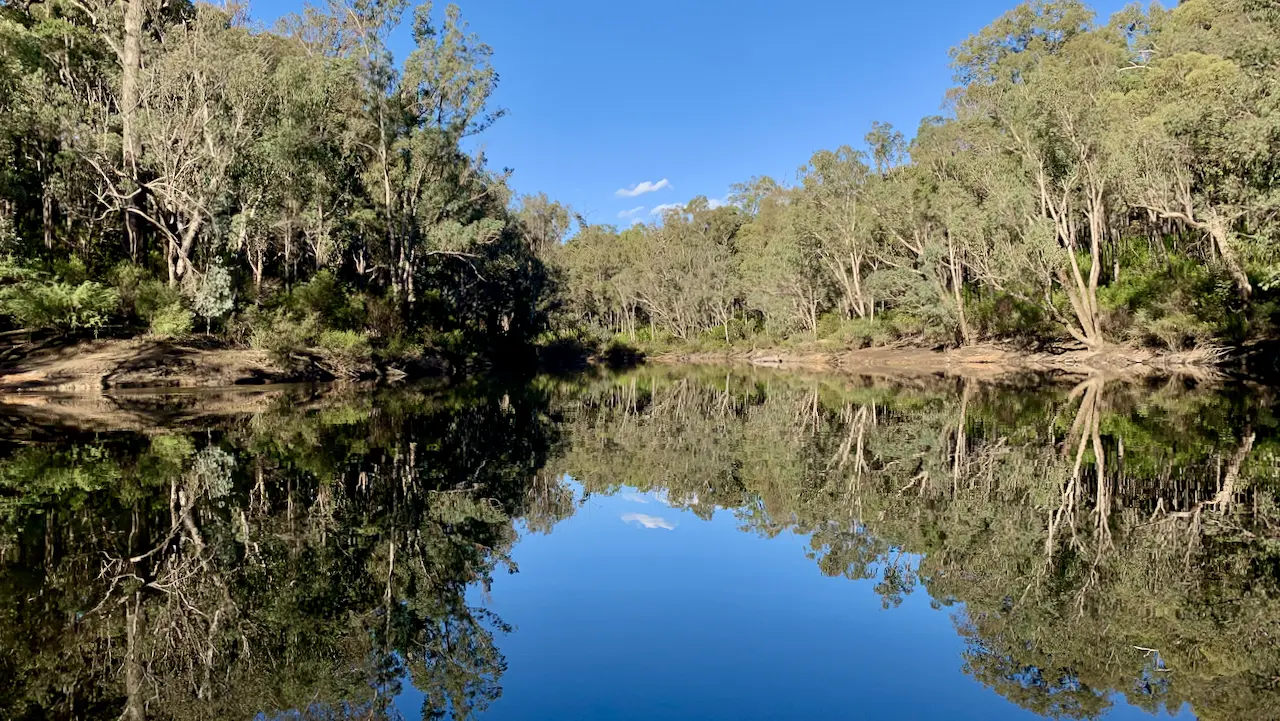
{"points": [[669, 543]]}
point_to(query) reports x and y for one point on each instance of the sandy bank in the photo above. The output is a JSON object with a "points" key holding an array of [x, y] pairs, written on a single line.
{"points": [[981, 361]]}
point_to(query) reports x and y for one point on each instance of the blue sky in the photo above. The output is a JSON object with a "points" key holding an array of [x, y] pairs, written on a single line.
{"points": [[606, 95]]}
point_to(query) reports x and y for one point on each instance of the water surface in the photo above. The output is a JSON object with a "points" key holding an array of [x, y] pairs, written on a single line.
{"points": [[672, 543]]}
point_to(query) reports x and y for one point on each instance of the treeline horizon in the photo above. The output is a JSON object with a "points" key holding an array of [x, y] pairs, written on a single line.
{"points": [[1089, 183], [172, 168]]}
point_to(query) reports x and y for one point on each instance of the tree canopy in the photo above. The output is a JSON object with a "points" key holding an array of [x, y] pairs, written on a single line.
{"points": [[1090, 182], [153, 149]]}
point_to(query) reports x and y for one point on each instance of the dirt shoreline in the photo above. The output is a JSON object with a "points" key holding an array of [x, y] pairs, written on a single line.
{"points": [[979, 362], [142, 384], [110, 366], [92, 367]]}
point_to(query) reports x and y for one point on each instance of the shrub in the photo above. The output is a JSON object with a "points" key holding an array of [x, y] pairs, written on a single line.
{"points": [[381, 316], [284, 336], [346, 352], [320, 295], [8, 236], [1175, 331], [128, 280], [992, 314], [402, 349], [70, 270], [150, 296], [53, 305], [214, 297], [171, 321], [857, 332], [325, 297], [1175, 303]]}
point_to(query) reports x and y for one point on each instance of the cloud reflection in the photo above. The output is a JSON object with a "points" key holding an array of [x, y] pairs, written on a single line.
{"points": [[648, 521]]}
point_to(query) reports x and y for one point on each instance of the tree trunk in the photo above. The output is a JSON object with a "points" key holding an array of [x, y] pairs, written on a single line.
{"points": [[46, 214], [1221, 239], [957, 282], [130, 68], [135, 704]]}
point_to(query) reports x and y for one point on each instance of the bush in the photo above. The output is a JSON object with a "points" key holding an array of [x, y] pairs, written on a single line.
{"points": [[325, 297], [283, 336], [128, 280], [71, 269], [345, 352], [1178, 303], [151, 296], [52, 305], [992, 314], [1175, 331], [857, 332], [215, 295], [171, 321]]}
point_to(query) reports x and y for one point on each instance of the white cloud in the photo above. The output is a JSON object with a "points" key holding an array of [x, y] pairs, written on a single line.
{"points": [[714, 203], [660, 210], [628, 214], [647, 186], [634, 498], [648, 521]]}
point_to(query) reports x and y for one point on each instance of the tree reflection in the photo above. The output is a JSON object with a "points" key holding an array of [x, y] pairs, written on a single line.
{"points": [[301, 565], [313, 560], [1102, 538]]}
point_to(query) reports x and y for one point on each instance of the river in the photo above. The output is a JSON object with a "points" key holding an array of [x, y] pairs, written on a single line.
{"points": [[674, 543]]}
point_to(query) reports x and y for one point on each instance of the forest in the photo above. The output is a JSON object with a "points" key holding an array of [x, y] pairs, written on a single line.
{"points": [[1088, 184], [174, 170]]}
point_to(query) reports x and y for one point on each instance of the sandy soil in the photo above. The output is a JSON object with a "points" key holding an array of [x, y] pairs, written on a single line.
{"points": [[96, 366], [981, 361]]}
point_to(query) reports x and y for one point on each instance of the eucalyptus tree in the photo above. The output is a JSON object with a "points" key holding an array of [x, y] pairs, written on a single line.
{"points": [[688, 283], [546, 223], [781, 271], [1202, 126], [1045, 83], [835, 216]]}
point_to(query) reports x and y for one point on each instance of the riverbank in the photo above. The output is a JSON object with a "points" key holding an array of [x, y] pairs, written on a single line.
{"points": [[117, 364], [113, 365], [978, 361]]}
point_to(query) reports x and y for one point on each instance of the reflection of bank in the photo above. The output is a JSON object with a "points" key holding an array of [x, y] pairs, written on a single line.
{"points": [[1074, 522], [319, 554], [312, 558]]}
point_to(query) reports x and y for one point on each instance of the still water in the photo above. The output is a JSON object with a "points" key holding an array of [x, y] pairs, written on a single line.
{"points": [[670, 543]]}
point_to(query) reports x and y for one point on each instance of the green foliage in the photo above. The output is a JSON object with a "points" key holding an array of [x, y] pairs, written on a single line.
{"points": [[956, 489], [1175, 303], [1098, 183], [55, 305], [343, 539], [276, 187], [347, 351], [214, 296], [999, 315], [323, 296], [152, 296], [311, 602], [284, 336], [171, 321]]}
